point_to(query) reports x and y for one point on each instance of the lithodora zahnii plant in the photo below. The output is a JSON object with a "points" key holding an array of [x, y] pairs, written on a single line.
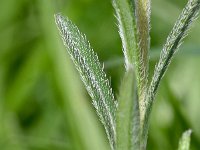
{"points": [[126, 119]]}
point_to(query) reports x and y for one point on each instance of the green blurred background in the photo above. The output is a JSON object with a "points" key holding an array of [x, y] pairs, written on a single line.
{"points": [[43, 103]]}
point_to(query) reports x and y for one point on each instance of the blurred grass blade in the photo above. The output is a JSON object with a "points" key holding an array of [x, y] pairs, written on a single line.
{"points": [[184, 143], [91, 72], [174, 40], [127, 119], [22, 86]]}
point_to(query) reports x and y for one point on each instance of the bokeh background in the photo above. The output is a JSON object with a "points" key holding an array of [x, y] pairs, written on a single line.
{"points": [[43, 103]]}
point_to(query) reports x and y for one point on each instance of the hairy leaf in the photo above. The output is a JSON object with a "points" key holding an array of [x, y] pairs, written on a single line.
{"points": [[91, 72], [127, 119], [174, 40], [184, 143], [134, 19], [127, 30]]}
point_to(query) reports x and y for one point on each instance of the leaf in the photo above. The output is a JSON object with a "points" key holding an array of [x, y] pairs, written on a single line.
{"points": [[184, 142], [127, 30], [134, 18], [91, 72], [174, 40], [127, 119]]}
